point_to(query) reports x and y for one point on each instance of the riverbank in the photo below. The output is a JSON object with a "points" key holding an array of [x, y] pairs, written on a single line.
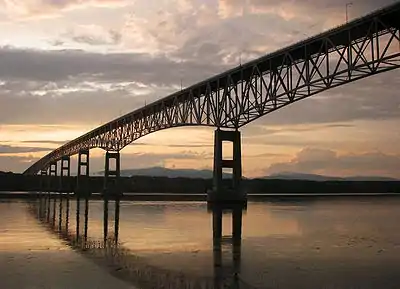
{"points": [[203, 197], [165, 185]]}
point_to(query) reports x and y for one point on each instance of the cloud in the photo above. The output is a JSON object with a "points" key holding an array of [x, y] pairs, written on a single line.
{"points": [[197, 33], [19, 163], [53, 66], [289, 9], [328, 162], [264, 131], [45, 142], [16, 163], [76, 106], [8, 149], [265, 155], [33, 8], [76, 86], [60, 86], [199, 145], [90, 35], [288, 21], [167, 28]]}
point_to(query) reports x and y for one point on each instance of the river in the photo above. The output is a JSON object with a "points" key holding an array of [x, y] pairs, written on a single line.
{"points": [[347, 242]]}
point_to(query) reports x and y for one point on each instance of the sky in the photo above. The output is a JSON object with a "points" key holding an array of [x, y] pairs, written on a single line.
{"points": [[68, 66]]}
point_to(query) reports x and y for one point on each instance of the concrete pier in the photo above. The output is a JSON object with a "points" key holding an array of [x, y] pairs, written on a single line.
{"points": [[65, 171], [43, 197], [111, 190], [223, 192], [53, 172], [82, 190]]}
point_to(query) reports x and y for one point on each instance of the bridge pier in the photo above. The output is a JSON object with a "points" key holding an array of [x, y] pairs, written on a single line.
{"points": [[42, 196], [233, 192], [64, 172], [46, 188], [82, 190], [53, 172], [111, 189]]}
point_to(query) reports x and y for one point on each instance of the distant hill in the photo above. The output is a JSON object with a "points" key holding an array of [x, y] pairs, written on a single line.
{"points": [[170, 173], [321, 178], [208, 174], [371, 178]]}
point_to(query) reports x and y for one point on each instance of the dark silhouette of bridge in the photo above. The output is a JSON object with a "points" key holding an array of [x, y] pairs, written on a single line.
{"points": [[228, 101], [358, 49]]}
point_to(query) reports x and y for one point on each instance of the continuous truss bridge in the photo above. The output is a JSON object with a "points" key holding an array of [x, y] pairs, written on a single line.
{"points": [[230, 100]]}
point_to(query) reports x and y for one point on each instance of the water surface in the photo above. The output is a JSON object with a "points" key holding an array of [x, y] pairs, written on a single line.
{"points": [[327, 243]]}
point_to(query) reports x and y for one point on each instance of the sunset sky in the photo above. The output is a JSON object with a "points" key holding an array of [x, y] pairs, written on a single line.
{"points": [[67, 66]]}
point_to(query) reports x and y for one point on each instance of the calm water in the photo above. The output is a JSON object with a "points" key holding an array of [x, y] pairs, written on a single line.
{"points": [[329, 243]]}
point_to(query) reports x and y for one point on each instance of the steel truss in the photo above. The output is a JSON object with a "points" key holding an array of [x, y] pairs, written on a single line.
{"points": [[359, 49]]}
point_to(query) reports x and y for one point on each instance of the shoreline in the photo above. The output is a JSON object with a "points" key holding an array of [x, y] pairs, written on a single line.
{"points": [[203, 197]]}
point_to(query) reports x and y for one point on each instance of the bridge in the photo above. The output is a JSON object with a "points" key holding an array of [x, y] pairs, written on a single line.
{"points": [[230, 100]]}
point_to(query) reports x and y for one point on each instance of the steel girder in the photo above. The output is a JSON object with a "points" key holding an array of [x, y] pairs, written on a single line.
{"points": [[359, 49]]}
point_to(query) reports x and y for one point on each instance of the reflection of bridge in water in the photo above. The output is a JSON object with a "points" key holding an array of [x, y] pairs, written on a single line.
{"points": [[358, 49], [55, 214]]}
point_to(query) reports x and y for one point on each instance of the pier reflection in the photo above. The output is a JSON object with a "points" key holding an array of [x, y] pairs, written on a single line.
{"points": [[227, 248], [66, 215]]}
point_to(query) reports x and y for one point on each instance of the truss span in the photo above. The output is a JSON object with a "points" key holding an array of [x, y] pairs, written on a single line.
{"points": [[358, 49]]}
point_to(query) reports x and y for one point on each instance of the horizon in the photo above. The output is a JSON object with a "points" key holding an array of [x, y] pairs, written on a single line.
{"points": [[50, 97], [283, 175]]}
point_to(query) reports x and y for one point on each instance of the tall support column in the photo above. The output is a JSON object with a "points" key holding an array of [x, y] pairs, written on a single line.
{"points": [[53, 172], [42, 197], [48, 195], [234, 192], [111, 188], [82, 190], [64, 172]]}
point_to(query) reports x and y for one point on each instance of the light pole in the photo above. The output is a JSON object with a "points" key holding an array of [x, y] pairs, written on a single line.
{"points": [[240, 35], [347, 10]]}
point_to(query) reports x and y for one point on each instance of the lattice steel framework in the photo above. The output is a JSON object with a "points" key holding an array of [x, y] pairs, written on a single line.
{"points": [[359, 49]]}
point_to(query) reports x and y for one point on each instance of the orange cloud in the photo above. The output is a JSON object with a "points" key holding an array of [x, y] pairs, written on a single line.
{"points": [[329, 162]]}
